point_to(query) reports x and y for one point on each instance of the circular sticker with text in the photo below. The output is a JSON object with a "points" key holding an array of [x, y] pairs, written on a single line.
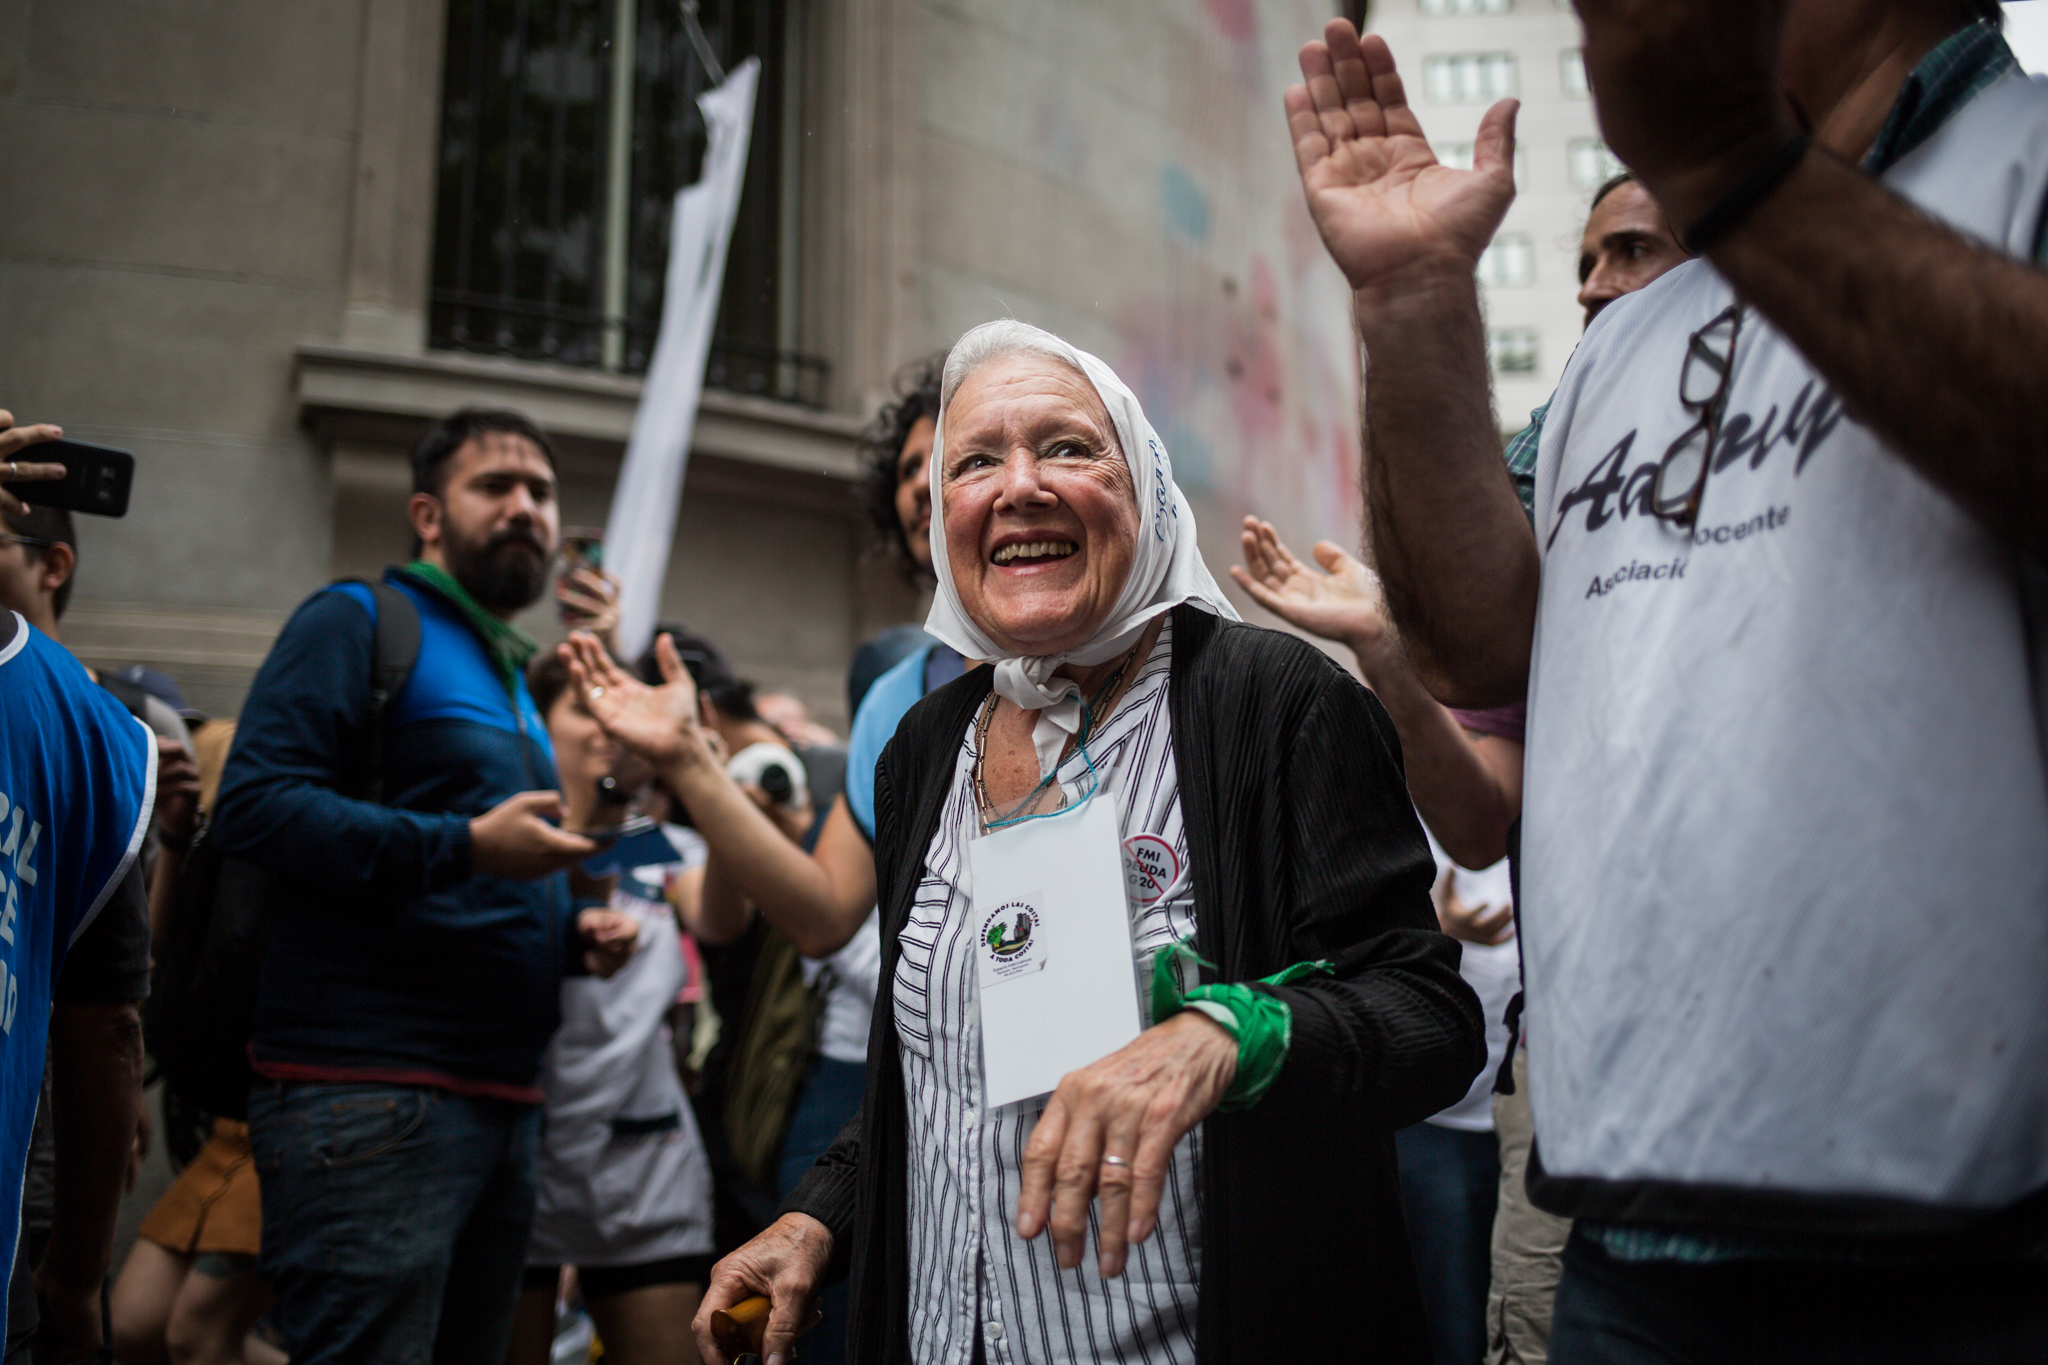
{"points": [[1011, 940], [1151, 867]]}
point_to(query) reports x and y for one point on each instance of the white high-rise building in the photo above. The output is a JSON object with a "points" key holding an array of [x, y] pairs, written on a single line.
{"points": [[1457, 57]]}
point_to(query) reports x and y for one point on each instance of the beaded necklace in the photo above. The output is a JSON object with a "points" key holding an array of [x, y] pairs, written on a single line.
{"points": [[988, 710]]}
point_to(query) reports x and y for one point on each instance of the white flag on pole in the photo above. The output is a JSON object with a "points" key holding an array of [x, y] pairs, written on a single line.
{"points": [[642, 525]]}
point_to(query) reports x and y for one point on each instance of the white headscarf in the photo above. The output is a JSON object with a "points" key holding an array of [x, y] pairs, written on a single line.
{"points": [[1166, 568]]}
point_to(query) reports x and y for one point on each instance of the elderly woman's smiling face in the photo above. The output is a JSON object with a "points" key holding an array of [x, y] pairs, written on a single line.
{"points": [[1041, 515]]}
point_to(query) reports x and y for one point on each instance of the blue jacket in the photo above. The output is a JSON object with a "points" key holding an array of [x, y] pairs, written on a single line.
{"points": [[389, 960]]}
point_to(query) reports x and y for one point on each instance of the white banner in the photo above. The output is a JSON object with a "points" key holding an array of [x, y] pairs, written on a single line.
{"points": [[642, 525]]}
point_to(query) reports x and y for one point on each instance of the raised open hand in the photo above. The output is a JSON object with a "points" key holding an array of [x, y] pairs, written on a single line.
{"points": [[1342, 601], [657, 723], [1386, 207]]}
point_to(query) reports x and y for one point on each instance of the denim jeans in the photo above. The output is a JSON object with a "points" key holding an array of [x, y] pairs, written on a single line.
{"points": [[1612, 1312], [1450, 1183], [395, 1220]]}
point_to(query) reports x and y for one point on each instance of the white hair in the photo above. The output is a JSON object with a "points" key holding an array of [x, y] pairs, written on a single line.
{"points": [[993, 341]]}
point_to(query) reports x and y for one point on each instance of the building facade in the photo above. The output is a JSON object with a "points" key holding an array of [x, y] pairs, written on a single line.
{"points": [[262, 242]]}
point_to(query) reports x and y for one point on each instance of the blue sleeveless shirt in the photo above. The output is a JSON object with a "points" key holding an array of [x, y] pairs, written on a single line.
{"points": [[77, 773]]}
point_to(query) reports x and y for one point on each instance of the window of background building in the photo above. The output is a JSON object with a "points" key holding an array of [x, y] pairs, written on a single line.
{"points": [[1458, 156], [1469, 77], [567, 126], [1511, 350], [1592, 165], [1509, 260], [1571, 72], [1465, 6]]}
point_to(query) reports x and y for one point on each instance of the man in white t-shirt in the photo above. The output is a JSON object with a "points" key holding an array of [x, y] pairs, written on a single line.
{"points": [[1780, 631]]}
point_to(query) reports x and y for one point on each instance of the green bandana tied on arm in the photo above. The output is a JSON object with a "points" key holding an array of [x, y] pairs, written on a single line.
{"points": [[508, 645], [1261, 1023]]}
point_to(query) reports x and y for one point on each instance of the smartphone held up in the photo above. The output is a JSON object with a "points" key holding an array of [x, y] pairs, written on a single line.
{"points": [[97, 479], [582, 558]]}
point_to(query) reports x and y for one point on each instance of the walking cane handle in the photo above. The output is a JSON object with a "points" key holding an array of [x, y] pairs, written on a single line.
{"points": [[743, 1325]]}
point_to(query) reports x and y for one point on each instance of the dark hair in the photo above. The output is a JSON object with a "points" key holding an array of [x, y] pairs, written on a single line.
{"points": [[881, 445], [1612, 184], [445, 437], [1987, 12], [709, 669], [547, 678], [52, 524], [441, 440]]}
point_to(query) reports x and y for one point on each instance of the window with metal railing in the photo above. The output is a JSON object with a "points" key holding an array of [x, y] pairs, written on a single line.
{"points": [[567, 126]]}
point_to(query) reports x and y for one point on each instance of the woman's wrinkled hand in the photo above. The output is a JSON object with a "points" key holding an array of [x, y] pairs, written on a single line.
{"points": [[1134, 1104], [1342, 601], [658, 723], [786, 1263]]}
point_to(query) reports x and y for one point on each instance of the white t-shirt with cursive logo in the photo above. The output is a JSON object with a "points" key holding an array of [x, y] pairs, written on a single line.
{"points": [[1785, 877]]}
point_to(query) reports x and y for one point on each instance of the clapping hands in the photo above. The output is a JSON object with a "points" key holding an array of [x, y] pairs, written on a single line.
{"points": [[658, 723], [1341, 601]]}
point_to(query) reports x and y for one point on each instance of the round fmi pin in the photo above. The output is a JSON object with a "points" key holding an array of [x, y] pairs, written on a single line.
{"points": [[1151, 867]]}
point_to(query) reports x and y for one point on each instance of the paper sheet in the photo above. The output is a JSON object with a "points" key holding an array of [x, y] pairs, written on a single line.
{"points": [[1053, 950]]}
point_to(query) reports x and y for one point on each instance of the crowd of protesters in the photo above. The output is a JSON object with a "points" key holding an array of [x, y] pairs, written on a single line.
{"points": [[523, 1005]]}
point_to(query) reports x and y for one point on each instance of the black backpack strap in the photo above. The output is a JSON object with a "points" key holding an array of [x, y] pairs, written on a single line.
{"points": [[392, 656], [397, 648]]}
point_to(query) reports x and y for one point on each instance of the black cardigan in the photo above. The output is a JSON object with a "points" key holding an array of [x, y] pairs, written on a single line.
{"points": [[1304, 845]]}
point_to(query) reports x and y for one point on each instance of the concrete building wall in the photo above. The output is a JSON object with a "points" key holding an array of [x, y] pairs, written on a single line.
{"points": [[180, 221], [217, 258], [1549, 209]]}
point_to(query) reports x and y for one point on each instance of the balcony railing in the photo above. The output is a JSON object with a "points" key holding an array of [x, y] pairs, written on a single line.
{"points": [[492, 324]]}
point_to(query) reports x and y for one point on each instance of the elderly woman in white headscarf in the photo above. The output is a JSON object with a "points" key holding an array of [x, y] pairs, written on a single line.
{"points": [[1221, 1186]]}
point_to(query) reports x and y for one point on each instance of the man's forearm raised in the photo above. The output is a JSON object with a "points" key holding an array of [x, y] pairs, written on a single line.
{"points": [[1930, 339], [1444, 528], [1446, 532]]}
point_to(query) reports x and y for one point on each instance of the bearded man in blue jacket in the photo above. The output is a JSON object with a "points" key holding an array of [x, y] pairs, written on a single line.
{"points": [[420, 940]]}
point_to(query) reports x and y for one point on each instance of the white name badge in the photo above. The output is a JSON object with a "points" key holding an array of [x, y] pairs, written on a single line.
{"points": [[1053, 950]]}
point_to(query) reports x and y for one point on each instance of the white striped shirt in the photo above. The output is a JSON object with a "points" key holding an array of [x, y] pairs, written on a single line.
{"points": [[970, 1273]]}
